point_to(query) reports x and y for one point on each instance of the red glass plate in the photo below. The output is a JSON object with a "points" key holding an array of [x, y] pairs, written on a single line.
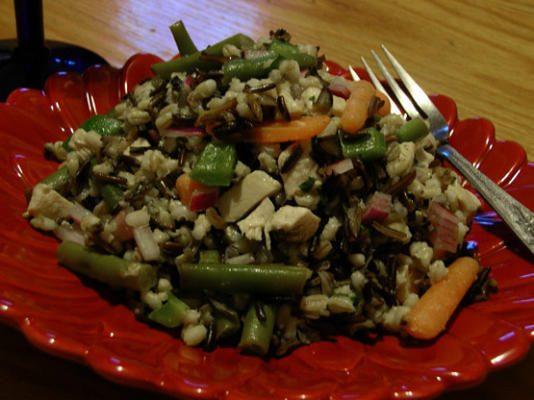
{"points": [[61, 315]]}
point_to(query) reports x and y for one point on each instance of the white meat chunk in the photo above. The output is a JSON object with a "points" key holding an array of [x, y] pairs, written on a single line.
{"points": [[298, 223], [47, 202], [246, 194], [303, 169], [253, 225]]}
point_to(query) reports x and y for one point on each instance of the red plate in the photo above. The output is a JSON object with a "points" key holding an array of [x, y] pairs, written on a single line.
{"points": [[62, 316]]}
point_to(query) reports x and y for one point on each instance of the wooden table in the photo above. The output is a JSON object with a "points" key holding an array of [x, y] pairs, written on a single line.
{"points": [[480, 53]]}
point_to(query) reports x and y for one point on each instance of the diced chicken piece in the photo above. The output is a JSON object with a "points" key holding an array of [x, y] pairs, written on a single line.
{"points": [[47, 202], [245, 195], [253, 225], [303, 169], [400, 158], [298, 223]]}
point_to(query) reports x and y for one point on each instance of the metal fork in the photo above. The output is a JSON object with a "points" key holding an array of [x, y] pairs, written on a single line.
{"points": [[519, 218]]}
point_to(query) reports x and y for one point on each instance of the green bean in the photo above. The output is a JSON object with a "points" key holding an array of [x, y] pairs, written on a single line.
{"points": [[292, 52], [106, 268], [182, 39], [269, 279], [110, 193], [102, 124], [245, 69], [171, 314], [368, 148], [190, 62], [225, 327], [57, 179], [412, 130], [256, 334]]}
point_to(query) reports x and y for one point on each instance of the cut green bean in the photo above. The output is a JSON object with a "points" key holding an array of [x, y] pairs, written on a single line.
{"points": [[183, 40], [190, 62], [291, 52], [256, 334], [269, 279], [171, 314], [101, 124], [225, 327], [57, 179], [111, 193], [246, 69], [369, 148], [412, 130], [216, 165], [109, 269]]}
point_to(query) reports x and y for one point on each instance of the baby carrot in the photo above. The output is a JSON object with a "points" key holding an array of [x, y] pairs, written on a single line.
{"points": [[430, 314], [281, 131], [386, 108], [355, 113]]}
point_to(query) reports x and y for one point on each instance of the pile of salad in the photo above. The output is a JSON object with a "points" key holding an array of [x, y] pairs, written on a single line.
{"points": [[246, 196]]}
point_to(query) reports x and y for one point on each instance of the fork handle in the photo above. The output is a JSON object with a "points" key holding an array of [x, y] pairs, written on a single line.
{"points": [[519, 218]]}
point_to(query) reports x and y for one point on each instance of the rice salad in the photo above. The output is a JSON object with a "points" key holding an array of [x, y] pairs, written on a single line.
{"points": [[245, 195]]}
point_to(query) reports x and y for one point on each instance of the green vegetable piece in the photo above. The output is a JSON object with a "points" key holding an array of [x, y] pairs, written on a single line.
{"points": [[171, 314], [209, 256], [256, 335], [110, 193], [106, 268], [307, 184], [244, 70], [57, 179], [182, 39], [412, 130], [216, 164], [192, 61], [367, 148], [291, 52], [225, 327], [102, 124], [269, 279]]}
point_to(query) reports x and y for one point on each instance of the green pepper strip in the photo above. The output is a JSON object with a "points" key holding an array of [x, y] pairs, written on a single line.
{"points": [[412, 130], [101, 124], [256, 335], [216, 164], [190, 62], [110, 269], [291, 52], [368, 148], [171, 314], [245, 69], [269, 279], [182, 39]]}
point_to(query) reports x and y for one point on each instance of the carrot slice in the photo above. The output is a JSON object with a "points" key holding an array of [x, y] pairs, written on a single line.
{"points": [[386, 108], [282, 131], [355, 113], [186, 187], [430, 314]]}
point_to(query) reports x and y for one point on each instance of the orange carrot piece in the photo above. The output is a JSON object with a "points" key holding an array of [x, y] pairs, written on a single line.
{"points": [[186, 186], [430, 314], [386, 108], [355, 113], [282, 131]]}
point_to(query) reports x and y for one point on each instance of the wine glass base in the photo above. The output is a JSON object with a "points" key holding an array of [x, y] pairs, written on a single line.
{"points": [[29, 69]]}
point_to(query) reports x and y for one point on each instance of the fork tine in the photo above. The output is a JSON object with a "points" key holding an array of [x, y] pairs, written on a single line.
{"points": [[353, 73], [423, 101], [378, 85], [403, 99]]}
